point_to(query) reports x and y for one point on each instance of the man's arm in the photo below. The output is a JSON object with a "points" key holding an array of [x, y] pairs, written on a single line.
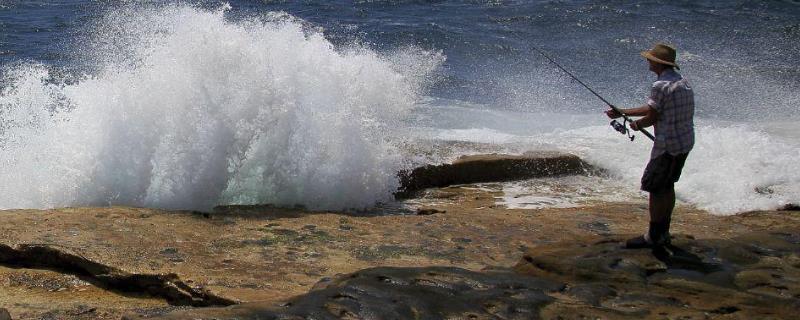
{"points": [[650, 116], [632, 112]]}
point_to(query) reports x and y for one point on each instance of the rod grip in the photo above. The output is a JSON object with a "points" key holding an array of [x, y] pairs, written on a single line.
{"points": [[647, 134]]}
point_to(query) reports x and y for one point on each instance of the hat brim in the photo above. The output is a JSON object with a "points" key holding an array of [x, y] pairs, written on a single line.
{"points": [[649, 56]]}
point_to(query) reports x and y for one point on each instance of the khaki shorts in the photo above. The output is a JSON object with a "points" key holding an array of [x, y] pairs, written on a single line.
{"points": [[662, 172]]}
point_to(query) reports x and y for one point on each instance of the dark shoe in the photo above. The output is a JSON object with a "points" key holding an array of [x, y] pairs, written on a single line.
{"points": [[664, 253], [638, 243], [667, 239]]}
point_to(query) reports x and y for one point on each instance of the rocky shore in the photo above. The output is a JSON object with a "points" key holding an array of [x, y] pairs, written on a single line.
{"points": [[457, 255]]}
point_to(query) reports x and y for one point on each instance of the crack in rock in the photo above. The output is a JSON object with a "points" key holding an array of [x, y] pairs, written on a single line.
{"points": [[166, 286]]}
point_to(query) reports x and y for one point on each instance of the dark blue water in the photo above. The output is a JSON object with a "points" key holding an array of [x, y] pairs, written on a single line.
{"points": [[489, 44]]}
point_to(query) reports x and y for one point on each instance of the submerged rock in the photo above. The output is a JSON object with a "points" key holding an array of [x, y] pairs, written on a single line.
{"points": [[4, 315]]}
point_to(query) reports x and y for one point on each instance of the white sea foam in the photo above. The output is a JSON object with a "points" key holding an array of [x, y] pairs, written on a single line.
{"points": [[733, 168], [482, 135], [191, 110], [563, 192]]}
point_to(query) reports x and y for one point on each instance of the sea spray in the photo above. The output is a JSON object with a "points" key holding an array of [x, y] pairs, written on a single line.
{"points": [[190, 110], [733, 167]]}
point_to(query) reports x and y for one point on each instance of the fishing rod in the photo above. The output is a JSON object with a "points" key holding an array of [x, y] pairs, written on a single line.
{"points": [[616, 125]]}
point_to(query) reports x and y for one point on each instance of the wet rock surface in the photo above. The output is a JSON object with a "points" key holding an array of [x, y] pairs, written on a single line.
{"points": [[490, 168], [457, 253]]}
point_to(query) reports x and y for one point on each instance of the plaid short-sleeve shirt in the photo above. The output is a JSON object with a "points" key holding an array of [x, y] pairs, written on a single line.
{"points": [[673, 99]]}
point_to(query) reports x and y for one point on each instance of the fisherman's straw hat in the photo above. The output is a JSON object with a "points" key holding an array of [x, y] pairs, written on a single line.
{"points": [[661, 53]]}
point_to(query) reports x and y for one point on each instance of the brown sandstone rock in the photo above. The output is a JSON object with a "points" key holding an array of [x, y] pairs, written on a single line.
{"points": [[580, 279]]}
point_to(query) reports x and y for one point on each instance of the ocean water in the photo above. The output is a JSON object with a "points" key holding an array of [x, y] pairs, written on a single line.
{"points": [[192, 104]]}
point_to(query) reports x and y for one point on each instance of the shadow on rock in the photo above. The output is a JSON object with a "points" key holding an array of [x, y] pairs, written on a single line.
{"points": [[676, 258], [406, 293]]}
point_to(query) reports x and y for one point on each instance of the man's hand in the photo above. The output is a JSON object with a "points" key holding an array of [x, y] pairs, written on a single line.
{"points": [[613, 114], [634, 126]]}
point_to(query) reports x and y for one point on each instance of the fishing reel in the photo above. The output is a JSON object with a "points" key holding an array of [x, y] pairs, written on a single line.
{"points": [[622, 128]]}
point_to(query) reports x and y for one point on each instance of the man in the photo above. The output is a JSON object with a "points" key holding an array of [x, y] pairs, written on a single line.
{"points": [[670, 109]]}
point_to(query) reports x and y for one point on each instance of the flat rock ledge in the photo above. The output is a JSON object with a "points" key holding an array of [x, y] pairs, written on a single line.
{"points": [[753, 276], [490, 168]]}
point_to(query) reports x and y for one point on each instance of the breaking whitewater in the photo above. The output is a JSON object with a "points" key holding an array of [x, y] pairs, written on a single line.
{"points": [[188, 109]]}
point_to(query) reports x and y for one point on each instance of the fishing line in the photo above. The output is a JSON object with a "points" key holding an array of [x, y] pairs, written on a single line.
{"points": [[621, 127]]}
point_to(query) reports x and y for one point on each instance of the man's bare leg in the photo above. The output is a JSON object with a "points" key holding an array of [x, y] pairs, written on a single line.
{"points": [[661, 205]]}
